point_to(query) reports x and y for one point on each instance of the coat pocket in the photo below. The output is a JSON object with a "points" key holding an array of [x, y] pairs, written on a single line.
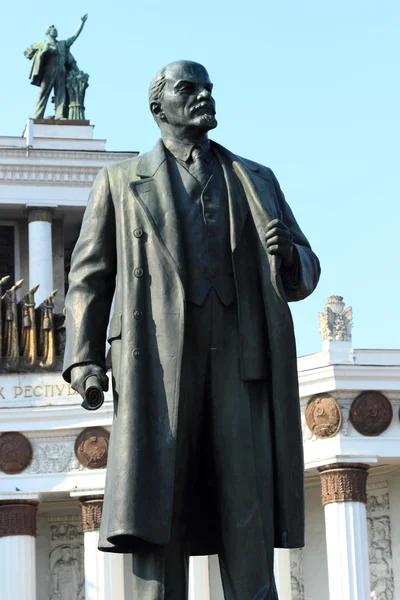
{"points": [[115, 329]]}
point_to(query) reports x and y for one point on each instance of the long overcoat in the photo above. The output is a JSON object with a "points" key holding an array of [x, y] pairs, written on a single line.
{"points": [[131, 242]]}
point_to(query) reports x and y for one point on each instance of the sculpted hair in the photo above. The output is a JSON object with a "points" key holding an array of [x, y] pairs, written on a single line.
{"points": [[157, 86]]}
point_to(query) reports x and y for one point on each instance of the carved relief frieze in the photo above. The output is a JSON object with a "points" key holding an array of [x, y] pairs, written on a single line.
{"points": [[380, 545], [345, 430], [296, 574], [54, 455], [66, 559]]}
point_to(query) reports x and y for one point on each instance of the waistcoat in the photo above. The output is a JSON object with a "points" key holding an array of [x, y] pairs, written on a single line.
{"points": [[204, 218]]}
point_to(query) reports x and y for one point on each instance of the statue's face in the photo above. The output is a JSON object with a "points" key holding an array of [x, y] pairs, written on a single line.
{"points": [[53, 32], [66, 554], [187, 98]]}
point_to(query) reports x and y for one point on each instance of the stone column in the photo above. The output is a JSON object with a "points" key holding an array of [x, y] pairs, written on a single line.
{"points": [[40, 252], [104, 571], [17, 549], [282, 573], [199, 579], [344, 496]]}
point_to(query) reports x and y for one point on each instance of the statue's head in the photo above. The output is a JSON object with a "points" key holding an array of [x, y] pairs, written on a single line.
{"points": [[66, 554], [180, 96], [52, 31]]}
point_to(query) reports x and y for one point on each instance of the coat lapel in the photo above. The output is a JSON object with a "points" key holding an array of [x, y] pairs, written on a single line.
{"points": [[245, 189], [154, 194], [255, 195]]}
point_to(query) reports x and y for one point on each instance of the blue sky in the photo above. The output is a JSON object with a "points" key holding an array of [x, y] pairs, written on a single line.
{"points": [[309, 88]]}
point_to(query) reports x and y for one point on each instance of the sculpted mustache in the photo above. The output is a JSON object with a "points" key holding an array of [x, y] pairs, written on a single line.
{"points": [[203, 105]]}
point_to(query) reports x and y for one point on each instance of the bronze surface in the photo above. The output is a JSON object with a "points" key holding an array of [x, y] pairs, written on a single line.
{"points": [[371, 413], [91, 447], [15, 452]]}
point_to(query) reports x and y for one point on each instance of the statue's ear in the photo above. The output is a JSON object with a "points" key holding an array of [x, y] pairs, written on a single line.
{"points": [[157, 111]]}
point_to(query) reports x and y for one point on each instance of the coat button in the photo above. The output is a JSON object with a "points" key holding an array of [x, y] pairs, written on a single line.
{"points": [[136, 353], [208, 215], [206, 198], [138, 272], [138, 232], [137, 314]]}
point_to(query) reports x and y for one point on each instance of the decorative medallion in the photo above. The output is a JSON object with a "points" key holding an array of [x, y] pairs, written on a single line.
{"points": [[371, 413], [91, 447], [15, 452], [323, 416]]}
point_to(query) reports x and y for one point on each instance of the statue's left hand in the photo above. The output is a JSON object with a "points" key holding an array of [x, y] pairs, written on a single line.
{"points": [[84, 18], [280, 241]]}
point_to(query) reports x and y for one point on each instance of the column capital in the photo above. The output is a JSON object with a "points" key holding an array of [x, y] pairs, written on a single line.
{"points": [[344, 482], [38, 213], [92, 510], [18, 517]]}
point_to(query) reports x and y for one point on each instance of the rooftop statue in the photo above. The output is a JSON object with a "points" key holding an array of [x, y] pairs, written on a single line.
{"points": [[54, 68]]}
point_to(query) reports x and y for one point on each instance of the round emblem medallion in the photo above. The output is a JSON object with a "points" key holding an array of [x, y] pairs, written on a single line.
{"points": [[15, 452], [323, 416], [91, 447], [371, 413]]}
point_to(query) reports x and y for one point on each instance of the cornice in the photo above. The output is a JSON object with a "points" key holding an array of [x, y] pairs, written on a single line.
{"points": [[81, 155], [48, 175], [349, 377]]}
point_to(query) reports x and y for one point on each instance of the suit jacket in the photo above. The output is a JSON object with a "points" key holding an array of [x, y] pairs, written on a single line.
{"points": [[130, 242]]}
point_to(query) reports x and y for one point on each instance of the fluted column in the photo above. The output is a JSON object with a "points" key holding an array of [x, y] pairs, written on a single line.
{"points": [[17, 549], [104, 571], [199, 579], [282, 573], [40, 251], [344, 496]]}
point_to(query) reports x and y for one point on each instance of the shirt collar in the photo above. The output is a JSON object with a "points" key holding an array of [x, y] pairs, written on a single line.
{"points": [[183, 150]]}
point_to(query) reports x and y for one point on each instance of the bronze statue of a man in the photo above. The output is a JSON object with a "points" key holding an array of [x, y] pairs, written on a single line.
{"points": [[52, 61], [203, 254]]}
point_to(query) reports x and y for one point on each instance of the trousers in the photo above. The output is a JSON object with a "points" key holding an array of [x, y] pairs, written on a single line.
{"points": [[223, 422], [54, 78]]}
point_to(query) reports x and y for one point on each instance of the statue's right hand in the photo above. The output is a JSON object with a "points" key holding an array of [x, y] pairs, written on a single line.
{"points": [[80, 373]]}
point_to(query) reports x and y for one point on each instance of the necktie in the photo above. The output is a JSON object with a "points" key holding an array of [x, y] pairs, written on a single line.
{"points": [[200, 167]]}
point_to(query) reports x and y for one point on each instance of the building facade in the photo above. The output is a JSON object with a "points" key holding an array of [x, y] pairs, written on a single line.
{"points": [[53, 453]]}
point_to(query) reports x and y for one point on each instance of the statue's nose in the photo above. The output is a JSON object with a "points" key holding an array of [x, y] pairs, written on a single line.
{"points": [[204, 94]]}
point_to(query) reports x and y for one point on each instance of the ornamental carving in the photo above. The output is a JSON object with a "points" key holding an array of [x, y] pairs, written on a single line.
{"points": [[323, 416], [371, 413], [92, 511], [17, 517], [296, 574], [66, 558], [380, 546], [343, 482], [336, 322], [15, 452], [63, 532], [91, 447], [54, 455]]}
